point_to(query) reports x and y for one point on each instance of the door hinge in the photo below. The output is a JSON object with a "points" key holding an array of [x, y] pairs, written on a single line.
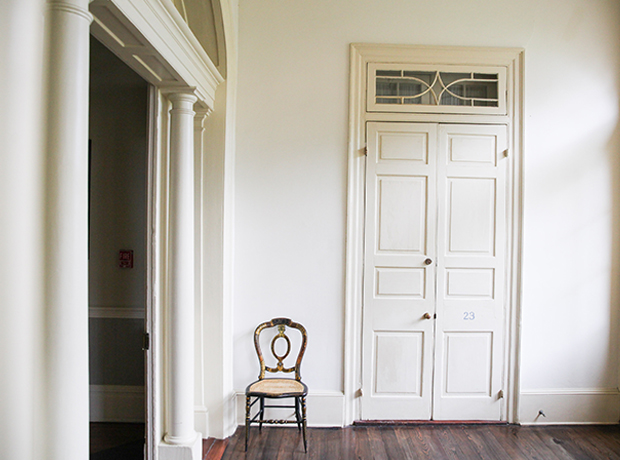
{"points": [[500, 394], [505, 153], [146, 341], [366, 151], [359, 393]]}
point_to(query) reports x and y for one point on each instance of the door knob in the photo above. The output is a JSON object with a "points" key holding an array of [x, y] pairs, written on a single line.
{"points": [[427, 315], [428, 261]]}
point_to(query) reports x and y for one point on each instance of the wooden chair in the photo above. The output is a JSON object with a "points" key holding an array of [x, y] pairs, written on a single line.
{"points": [[277, 388]]}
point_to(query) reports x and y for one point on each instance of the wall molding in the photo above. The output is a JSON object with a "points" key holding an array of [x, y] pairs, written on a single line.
{"points": [[117, 403], [324, 409], [116, 312], [573, 391], [570, 406]]}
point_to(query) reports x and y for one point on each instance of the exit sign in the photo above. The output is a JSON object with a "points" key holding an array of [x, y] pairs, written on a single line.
{"points": [[125, 259]]}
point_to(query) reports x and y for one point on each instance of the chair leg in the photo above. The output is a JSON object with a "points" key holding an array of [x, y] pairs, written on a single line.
{"points": [[303, 414], [247, 421], [262, 414], [297, 412]]}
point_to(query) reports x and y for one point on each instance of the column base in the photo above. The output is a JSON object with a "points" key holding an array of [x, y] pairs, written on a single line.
{"points": [[190, 451]]}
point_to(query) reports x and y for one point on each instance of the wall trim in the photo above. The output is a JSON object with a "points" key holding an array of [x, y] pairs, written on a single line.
{"points": [[573, 391], [360, 55], [116, 403], [116, 312], [570, 406], [324, 409]]}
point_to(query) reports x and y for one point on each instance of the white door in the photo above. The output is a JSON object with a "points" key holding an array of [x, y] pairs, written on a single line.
{"points": [[433, 321]]}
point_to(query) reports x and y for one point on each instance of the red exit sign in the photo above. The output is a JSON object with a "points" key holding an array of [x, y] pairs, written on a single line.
{"points": [[125, 258]]}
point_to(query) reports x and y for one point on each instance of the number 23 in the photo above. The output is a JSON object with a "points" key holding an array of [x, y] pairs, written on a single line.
{"points": [[469, 315]]}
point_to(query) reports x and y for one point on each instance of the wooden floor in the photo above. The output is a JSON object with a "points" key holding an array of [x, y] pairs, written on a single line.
{"points": [[492, 442], [105, 436]]}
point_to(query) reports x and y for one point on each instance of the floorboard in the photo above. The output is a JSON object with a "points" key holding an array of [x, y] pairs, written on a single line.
{"points": [[453, 441]]}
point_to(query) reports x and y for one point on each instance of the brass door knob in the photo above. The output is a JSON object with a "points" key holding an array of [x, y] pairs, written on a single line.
{"points": [[427, 315], [428, 261]]}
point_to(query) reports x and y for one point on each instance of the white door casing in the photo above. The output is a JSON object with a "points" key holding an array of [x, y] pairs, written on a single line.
{"points": [[434, 309], [362, 55]]}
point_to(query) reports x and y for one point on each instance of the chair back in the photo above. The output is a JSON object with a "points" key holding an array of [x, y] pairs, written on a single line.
{"points": [[282, 324]]}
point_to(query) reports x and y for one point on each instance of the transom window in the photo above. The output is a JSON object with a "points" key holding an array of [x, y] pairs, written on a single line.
{"points": [[411, 88]]}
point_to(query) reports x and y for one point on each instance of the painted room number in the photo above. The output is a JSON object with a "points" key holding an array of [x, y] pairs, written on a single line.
{"points": [[469, 315]]}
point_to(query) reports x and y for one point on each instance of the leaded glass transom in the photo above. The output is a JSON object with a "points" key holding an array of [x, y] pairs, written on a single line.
{"points": [[404, 88]]}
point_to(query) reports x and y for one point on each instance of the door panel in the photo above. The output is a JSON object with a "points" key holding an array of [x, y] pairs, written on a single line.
{"points": [[468, 363], [471, 191], [393, 349], [398, 286], [471, 215], [402, 213], [434, 244]]}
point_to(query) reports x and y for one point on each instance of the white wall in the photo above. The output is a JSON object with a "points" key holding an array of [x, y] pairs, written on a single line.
{"points": [[291, 176]]}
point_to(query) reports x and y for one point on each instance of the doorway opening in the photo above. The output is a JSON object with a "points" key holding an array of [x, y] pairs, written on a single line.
{"points": [[118, 188], [433, 233]]}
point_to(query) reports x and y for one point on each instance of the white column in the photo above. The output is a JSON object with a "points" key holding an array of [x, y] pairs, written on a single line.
{"points": [[65, 377], [183, 441], [21, 196]]}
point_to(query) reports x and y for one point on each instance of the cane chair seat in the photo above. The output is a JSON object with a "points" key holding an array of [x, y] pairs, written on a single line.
{"points": [[277, 388]]}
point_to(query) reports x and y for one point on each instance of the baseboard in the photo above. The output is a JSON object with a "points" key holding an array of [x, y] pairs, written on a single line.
{"points": [[324, 409], [116, 403], [570, 406]]}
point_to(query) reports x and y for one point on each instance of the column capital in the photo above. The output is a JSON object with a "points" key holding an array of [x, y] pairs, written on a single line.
{"points": [[202, 112], [79, 7], [182, 103], [180, 94], [200, 117]]}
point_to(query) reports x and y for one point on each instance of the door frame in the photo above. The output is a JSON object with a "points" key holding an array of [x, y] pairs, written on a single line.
{"points": [[360, 56]]}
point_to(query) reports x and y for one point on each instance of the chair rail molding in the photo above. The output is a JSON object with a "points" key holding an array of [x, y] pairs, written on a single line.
{"points": [[119, 312]]}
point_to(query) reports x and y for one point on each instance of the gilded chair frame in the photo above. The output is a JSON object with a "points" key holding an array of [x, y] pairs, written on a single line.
{"points": [[262, 389]]}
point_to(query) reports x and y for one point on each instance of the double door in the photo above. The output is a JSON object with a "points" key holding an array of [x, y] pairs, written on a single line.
{"points": [[434, 272]]}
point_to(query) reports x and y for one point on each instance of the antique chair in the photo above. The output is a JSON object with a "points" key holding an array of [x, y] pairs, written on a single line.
{"points": [[277, 388]]}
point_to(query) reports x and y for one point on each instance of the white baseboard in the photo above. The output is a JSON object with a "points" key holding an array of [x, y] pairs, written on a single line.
{"points": [[324, 409], [117, 403], [570, 406]]}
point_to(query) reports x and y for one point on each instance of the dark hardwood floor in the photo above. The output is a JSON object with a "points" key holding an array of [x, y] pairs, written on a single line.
{"points": [[462, 442], [116, 441]]}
